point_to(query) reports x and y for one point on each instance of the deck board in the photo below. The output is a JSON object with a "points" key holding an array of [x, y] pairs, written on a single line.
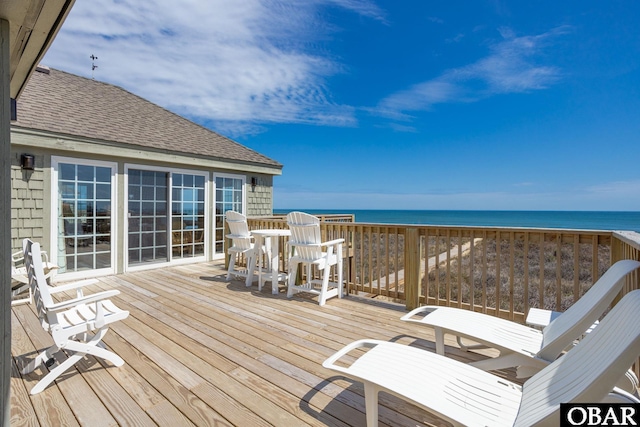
{"points": [[202, 351]]}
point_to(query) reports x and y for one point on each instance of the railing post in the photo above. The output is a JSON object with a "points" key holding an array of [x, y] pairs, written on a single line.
{"points": [[412, 253]]}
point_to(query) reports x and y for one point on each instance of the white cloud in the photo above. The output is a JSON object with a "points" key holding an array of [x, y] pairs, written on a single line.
{"points": [[362, 7], [510, 67], [617, 189], [235, 64]]}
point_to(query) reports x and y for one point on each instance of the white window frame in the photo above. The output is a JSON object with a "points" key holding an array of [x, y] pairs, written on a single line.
{"points": [[243, 178], [55, 195], [207, 233]]}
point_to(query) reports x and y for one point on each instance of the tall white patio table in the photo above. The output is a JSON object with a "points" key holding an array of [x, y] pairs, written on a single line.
{"points": [[270, 238]]}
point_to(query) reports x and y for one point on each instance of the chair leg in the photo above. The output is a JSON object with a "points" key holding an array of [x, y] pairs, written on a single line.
{"points": [[78, 350], [251, 267], [371, 404], [340, 278], [325, 285], [309, 279], [232, 263], [40, 359], [55, 373], [291, 280], [94, 350]]}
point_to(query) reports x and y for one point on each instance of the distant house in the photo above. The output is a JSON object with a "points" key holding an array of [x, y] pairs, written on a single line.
{"points": [[109, 182]]}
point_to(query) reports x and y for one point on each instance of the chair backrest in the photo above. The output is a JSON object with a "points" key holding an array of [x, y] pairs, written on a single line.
{"points": [[38, 283], [238, 230], [588, 372], [305, 229], [571, 324]]}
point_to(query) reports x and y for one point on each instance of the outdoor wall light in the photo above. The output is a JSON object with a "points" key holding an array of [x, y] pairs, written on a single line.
{"points": [[254, 182], [27, 162]]}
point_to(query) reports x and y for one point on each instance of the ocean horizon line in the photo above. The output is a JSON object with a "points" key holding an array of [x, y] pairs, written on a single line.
{"points": [[581, 220]]}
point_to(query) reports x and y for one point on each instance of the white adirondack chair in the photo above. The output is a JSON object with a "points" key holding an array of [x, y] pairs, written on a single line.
{"points": [[242, 243], [20, 280], [468, 396], [306, 247], [77, 326]]}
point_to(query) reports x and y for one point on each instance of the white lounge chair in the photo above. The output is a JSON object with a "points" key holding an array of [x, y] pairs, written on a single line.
{"points": [[241, 244], [76, 326], [306, 247], [528, 348], [465, 395]]}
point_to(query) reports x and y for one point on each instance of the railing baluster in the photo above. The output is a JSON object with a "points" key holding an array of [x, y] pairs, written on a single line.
{"points": [[526, 273], [559, 272], [459, 262], [448, 268], [498, 278], [472, 261], [542, 267], [484, 271], [512, 256]]}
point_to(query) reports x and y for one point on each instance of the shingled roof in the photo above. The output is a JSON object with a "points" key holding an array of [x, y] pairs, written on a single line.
{"points": [[64, 103]]}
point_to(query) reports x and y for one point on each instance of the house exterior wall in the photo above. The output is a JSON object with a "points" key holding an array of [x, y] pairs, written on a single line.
{"points": [[27, 201], [32, 190], [260, 198]]}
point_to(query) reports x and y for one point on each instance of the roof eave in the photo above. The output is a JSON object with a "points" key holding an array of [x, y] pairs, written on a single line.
{"points": [[33, 27]]}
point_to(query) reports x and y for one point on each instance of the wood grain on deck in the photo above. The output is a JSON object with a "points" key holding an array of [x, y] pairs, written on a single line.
{"points": [[202, 351]]}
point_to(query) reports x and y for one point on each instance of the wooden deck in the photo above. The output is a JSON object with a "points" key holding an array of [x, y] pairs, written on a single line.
{"points": [[202, 351]]}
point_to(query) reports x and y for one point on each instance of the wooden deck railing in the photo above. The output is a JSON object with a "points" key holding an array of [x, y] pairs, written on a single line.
{"points": [[498, 271]]}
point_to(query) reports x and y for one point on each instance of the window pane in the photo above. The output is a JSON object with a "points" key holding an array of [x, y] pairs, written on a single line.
{"points": [[161, 209], [103, 208], [134, 177], [67, 172], [86, 173], [103, 174], [103, 191], [148, 178]]}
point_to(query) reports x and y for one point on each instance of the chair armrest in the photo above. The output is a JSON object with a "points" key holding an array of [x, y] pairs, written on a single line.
{"points": [[64, 305], [239, 236], [72, 286], [18, 256], [330, 363], [304, 245], [541, 317], [332, 242], [422, 310]]}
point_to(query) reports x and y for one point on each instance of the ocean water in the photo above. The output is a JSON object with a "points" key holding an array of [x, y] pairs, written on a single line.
{"points": [[581, 220]]}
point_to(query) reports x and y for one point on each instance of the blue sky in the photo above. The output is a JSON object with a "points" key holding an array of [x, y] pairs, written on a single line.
{"points": [[410, 104]]}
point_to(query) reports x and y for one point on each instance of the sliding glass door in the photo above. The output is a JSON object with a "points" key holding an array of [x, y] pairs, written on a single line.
{"points": [[166, 215], [83, 207], [187, 213], [147, 218], [230, 195]]}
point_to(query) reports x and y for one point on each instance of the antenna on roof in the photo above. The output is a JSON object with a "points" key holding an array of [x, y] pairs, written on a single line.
{"points": [[93, 65]]}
